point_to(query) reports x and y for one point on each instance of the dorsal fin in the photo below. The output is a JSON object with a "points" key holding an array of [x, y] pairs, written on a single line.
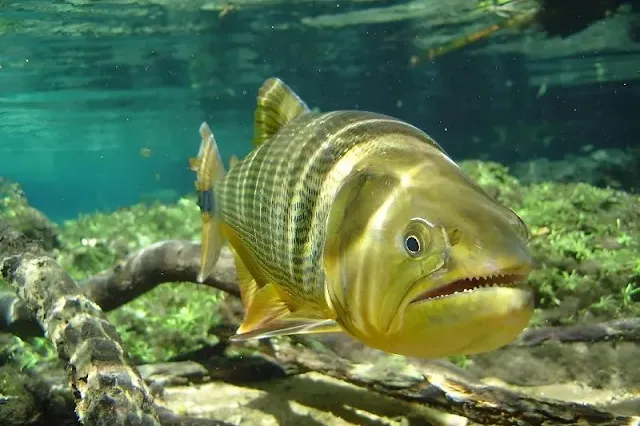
{"points": [[277, 105]]}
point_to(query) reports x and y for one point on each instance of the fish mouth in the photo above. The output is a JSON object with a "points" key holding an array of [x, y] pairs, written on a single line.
{"points": [[470, 284]]}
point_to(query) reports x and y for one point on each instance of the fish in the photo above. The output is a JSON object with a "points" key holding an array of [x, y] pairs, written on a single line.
{"points": [[357, 222]]}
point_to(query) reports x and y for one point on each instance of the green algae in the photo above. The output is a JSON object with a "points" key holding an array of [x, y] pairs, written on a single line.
{"points": [[18, 404]]}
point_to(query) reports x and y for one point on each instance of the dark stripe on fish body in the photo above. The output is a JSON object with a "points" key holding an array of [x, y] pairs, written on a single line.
{"points": [[272, 197]]}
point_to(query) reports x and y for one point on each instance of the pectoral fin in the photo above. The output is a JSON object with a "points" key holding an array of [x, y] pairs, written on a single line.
{"points": [[270, 314], [266, 306], [287, 327]]}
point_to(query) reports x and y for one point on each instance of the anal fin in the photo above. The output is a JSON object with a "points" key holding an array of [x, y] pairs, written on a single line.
{"points": [[250, 280], [246, 282]]}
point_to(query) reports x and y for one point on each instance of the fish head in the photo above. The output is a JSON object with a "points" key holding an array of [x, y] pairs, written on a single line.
{"points": [[420, 261]]}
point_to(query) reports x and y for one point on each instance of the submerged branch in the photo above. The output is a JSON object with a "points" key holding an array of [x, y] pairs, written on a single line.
{"points": [[627, 329], [162, 262], [107, 388]]}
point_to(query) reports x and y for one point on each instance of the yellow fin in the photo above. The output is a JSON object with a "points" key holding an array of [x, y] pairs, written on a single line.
{"points": [[248, 285], [250, 280], [233, 161], [277, 105], [286, 327], [267, 305], [209, 171]]}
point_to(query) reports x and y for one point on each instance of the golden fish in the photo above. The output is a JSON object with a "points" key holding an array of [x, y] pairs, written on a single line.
{"points": [[358, 222]]}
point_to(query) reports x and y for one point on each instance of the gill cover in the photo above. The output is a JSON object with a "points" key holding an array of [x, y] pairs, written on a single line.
{"points": [[370, 271]]}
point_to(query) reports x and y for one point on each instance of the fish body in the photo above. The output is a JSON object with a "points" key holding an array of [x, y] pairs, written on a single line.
{"points": [[358, 222]]}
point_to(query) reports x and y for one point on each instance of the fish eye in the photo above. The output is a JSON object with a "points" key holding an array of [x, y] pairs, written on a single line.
{"points": [[412, 245], [416, 238]]}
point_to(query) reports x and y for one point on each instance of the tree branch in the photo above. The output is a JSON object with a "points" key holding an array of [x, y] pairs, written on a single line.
{"points": [[627, 329], [108, 389], [162, 262]]}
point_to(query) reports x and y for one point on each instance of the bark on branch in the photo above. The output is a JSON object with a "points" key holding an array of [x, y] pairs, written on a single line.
{"points": [[107, 388]]}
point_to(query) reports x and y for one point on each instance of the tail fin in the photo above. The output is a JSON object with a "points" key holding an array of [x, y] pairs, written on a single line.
{"points": [[209, 172]]}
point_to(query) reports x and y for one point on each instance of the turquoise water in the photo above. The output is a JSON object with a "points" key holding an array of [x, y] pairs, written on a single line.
{"points": [[77, 110], [87, 88]]}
